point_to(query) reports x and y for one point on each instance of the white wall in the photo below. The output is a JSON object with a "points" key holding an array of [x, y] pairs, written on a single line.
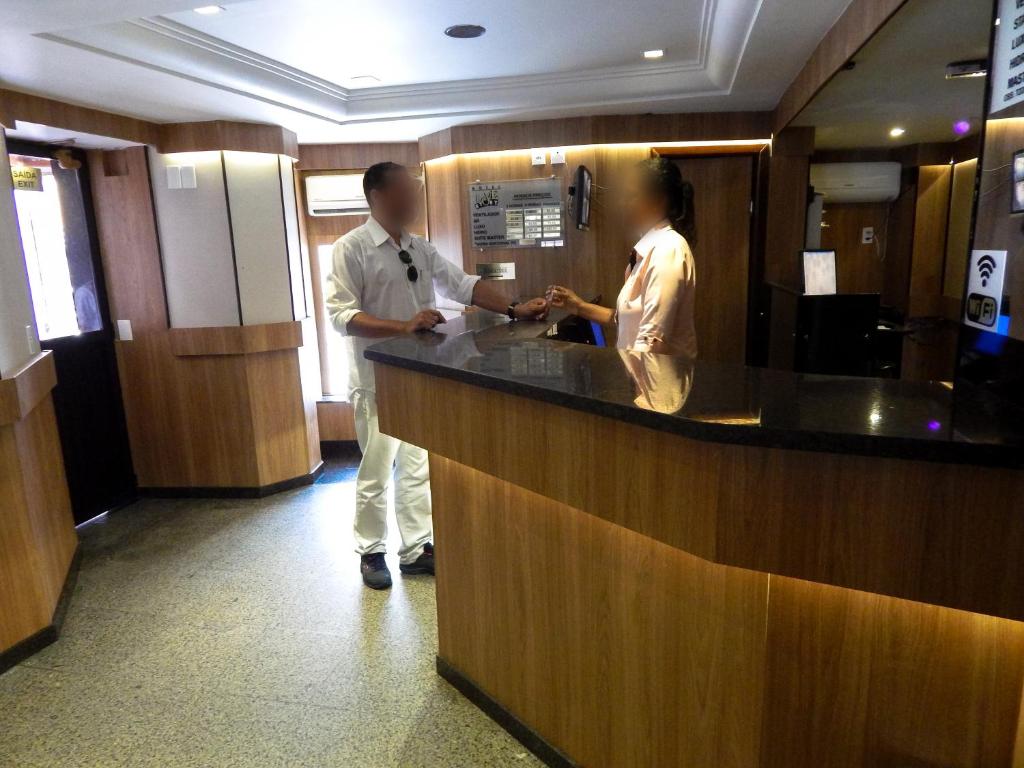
{"points": [[15, 301], [261, 246], [230, 247], [195, 242], [302, 284]]}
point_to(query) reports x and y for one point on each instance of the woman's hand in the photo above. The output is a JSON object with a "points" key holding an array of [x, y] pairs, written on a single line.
{"points": [[564, 298]]}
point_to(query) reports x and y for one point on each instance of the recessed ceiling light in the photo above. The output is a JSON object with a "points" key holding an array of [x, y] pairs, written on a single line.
{"points": [[897, 132], [655, 53], [209, 10], [465, 31]]}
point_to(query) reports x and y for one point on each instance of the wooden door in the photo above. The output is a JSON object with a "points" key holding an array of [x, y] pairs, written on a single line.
{"points": [[722, 199]]}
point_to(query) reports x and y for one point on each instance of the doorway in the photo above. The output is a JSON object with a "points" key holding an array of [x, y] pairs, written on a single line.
{"points": [[69, 301], [723, 195]]}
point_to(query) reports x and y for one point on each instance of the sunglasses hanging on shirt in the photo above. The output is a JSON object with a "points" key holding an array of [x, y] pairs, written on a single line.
{"points": [[412, 273]]}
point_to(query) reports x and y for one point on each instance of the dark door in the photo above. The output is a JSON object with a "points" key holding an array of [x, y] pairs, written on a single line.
{"points": [[68, 297], [723, 189]]}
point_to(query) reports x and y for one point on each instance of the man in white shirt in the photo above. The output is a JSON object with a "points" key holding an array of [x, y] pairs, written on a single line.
{"points": [[383, 284]]}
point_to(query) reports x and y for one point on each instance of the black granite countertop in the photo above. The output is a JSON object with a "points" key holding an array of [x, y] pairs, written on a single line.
{"points": [[715, 402]]}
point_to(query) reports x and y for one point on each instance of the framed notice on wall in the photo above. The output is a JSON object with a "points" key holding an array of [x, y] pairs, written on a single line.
{"points": [[1008, 57], [517, 214]]}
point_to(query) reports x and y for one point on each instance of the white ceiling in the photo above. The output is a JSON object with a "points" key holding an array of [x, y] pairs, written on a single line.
{"points": [[292, 62], [900, 80]]}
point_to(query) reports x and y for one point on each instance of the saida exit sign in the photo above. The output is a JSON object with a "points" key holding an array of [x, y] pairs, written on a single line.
{"points": [[27, 179]]}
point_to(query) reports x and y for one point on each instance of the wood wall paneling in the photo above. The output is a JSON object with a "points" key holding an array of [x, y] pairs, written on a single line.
{"points": [[226, 135], [279, 418], [859, 268], [23, 596], [336, 421], [601, 129], [856, 26], [899, 244], [961, 217], [166, 137], [15, 105], [788, 180], [928, 265], [723, 200], [594, 261], [946, 535], [126, 226], [236, 339], [443, 182], [536, 268], [235, 420], [325, 157], [27, 387]]}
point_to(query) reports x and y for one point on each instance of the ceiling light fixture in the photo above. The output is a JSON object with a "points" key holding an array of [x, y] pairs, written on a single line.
{"points": [[897, 132], [962, 127], [656, 53], [961, 69], [465, 31], [209, 10]]}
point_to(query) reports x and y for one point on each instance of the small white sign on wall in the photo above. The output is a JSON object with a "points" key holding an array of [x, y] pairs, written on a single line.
{"points": [[985, 290]]}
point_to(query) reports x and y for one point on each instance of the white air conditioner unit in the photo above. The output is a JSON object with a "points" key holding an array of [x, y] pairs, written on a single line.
{"points": [[337, 194], [856, 182]]}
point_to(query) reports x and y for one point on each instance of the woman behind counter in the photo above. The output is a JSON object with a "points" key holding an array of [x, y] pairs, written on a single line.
{"points": [[654, 311]]}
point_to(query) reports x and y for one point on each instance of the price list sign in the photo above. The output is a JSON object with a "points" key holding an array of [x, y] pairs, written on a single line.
{"points": [[517, 214], [1008, 57]]}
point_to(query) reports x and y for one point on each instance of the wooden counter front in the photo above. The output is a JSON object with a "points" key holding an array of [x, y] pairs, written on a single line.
{"points": [[636, 598], [37, 533]]}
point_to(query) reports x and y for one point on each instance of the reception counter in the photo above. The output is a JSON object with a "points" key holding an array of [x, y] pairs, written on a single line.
{"points": [[644, 561]]}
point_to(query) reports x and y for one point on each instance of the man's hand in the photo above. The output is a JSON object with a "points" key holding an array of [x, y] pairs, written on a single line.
{"points": [[534, 309], [423, 321]]}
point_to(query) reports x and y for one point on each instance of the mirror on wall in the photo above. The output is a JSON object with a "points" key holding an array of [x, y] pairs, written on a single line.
{"points": [[897, 135]]}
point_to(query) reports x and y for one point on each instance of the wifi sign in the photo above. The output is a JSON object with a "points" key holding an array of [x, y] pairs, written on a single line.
{"points": [[986, 266], [984, 298]]}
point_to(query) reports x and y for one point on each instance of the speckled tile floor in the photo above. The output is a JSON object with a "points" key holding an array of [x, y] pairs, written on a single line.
{"points": [[238, 633]]}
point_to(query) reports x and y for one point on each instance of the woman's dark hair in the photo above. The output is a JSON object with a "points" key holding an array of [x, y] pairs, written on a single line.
{"points": [[664, 179]]}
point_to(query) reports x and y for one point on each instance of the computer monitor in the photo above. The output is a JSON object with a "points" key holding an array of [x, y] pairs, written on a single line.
{"points": [[819, 273]]}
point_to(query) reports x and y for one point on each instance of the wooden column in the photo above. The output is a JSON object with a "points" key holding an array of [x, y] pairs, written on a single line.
{"points": [[209, 409]]}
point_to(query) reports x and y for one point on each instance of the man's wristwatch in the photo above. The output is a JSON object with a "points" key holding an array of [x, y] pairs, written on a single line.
{"points": [[511, 311]]}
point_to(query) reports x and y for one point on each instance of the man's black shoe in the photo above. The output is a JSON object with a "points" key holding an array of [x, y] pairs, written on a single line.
{"points": [[375, 571], [422, 564]]}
